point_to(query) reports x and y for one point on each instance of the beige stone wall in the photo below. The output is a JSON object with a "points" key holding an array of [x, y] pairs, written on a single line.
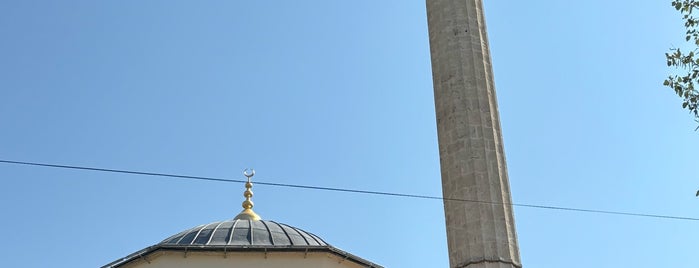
{"points": [[177, 259], [470, 141]]}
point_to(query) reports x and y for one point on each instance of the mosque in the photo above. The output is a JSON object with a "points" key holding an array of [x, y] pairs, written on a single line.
{"points": [[246, 241], [480, 233]]}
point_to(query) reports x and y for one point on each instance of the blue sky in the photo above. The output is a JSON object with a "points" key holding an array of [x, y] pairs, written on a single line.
{"points": [[335, 94]]}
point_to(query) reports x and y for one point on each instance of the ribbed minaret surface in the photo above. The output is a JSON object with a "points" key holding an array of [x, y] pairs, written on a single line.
{"points": [[471, 152]]}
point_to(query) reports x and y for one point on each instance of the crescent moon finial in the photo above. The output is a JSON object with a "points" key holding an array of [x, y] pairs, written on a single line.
{"points": [[247, 213], [249, 172]]}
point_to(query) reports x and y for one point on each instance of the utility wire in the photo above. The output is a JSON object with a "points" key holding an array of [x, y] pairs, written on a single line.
{"points": [[351, 190]]}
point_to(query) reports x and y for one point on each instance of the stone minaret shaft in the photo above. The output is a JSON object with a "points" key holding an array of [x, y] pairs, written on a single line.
{"points": [[471, 152]]}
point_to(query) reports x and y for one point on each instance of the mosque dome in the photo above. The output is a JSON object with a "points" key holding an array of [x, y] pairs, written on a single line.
{"points": [[246, 229], [238, 232]]}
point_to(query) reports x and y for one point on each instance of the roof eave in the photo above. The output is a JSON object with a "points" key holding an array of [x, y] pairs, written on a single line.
{"points": [[237, 248]]}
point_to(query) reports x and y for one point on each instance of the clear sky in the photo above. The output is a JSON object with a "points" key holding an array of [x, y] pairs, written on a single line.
{"points": [[335, 94]]}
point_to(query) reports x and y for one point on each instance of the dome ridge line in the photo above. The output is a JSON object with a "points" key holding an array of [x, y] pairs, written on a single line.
{"points": [[198, 233], [269, 232], [281, 226], [230, 237], [252, 240], [214, 232]]}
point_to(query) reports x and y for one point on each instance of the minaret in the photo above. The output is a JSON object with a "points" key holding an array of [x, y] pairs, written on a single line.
{"points": [[479, 235], [247, 213]]}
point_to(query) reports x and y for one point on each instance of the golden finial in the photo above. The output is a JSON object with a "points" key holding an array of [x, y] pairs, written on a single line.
{"points": [[247, 213]]}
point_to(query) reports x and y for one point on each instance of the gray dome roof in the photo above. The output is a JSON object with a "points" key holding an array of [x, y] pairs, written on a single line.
{"points": [[245, 233]]}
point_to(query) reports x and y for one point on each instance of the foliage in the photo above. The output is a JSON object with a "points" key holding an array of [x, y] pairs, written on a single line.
{"points": [[686, 63]]}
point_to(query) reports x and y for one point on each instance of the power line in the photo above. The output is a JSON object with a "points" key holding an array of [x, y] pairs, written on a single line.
{"points": [[350, 190]]}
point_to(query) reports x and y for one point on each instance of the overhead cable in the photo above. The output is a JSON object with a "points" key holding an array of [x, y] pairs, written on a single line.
{"points": [[357, 191]]}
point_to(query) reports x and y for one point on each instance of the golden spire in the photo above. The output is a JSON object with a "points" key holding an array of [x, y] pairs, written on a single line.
{"points": [[247, 213]]}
